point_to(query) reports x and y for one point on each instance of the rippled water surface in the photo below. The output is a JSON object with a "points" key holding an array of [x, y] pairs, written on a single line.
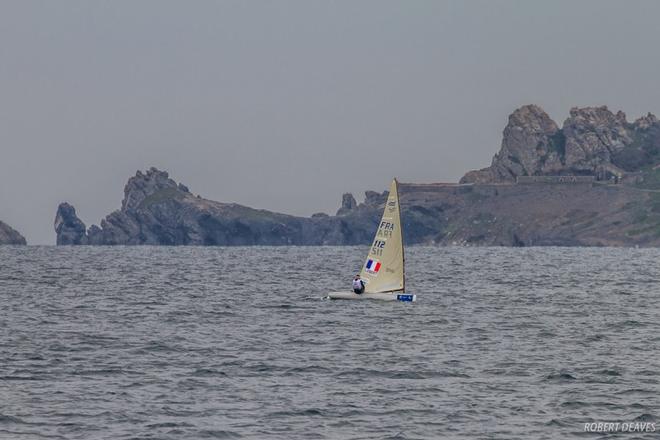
{"points": [[187, 343]]}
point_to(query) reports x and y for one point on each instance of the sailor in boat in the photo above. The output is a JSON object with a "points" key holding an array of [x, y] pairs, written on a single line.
{"points": [[358, 285], [383, 269]]}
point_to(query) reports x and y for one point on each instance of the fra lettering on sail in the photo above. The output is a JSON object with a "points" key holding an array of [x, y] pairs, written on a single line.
{"points": [[385, 229]]}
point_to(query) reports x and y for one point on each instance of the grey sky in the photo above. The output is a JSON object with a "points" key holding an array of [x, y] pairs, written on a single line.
{"points": [[285, 105]]}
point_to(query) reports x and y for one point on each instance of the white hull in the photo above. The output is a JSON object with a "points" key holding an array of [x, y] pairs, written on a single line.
{"points": [[373, 296]]}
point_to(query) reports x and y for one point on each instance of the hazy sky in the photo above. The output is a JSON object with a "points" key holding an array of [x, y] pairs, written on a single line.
{"points": [[285, 105]]}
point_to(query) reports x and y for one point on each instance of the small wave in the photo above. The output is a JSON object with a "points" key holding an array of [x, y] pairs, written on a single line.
{"points": [[154, 346], [207, 372], [397, 436], [308, 369], [23, 434], [636, 391], [402, 374], [170, 425], [437, 322], [94, 415], [21, 378], [260, 367], [622, 292], [220, 313], [281, 306], [575, 404], [630, 323], [645, 418], [595, 338], [426, 374], [476, 330], [100, 372], [581, 404], [35, 357], [293, 413], [350, 414], [214, 433], [560, 377], [9, 420]]}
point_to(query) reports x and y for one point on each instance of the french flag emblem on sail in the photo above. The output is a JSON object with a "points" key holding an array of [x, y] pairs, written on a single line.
{"points": [[372, 265]]}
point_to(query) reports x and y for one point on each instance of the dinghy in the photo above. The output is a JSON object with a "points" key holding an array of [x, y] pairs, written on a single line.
{"points": [[383, 271]]}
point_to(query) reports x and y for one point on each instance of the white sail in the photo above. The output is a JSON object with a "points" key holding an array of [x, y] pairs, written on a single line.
{"points": [[383, 270]]}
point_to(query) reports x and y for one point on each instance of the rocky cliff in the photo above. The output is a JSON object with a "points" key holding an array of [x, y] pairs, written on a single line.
{"points": [[615, 203], [157, 210], [8, 235], [592, 141]]}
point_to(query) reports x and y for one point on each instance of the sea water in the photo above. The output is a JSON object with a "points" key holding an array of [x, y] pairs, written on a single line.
{"points": [[193, 342]]}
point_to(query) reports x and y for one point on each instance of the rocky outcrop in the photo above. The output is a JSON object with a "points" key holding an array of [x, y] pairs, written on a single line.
{"points": [[531, 145], [157, 210], [644, 148], [68, 227], [348, 204], [373, 198], [593, 135], [592, 141], [9, 236]]}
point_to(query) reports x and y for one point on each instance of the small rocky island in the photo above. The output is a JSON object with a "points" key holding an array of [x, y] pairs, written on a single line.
{"points": [[9, 236], [593, 182]]}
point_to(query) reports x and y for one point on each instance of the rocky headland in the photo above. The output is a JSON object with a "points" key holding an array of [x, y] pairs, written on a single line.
{"points": [[8, 235], [156, 210], [593, 182]]}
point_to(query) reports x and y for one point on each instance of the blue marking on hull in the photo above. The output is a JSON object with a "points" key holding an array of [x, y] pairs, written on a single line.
{"points": [[405, 297]]}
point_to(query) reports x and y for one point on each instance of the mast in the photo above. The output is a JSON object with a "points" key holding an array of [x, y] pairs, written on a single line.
{"points": [[403, 255]]}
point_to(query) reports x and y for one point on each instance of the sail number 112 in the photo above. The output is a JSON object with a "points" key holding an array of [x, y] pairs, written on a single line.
{"points": [[378, 247]]}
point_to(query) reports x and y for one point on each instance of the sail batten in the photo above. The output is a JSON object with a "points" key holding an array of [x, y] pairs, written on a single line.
{"points": [[383, 271]]}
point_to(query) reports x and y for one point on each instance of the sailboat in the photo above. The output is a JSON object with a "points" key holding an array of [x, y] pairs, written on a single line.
{"points": [[383, 271]]}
